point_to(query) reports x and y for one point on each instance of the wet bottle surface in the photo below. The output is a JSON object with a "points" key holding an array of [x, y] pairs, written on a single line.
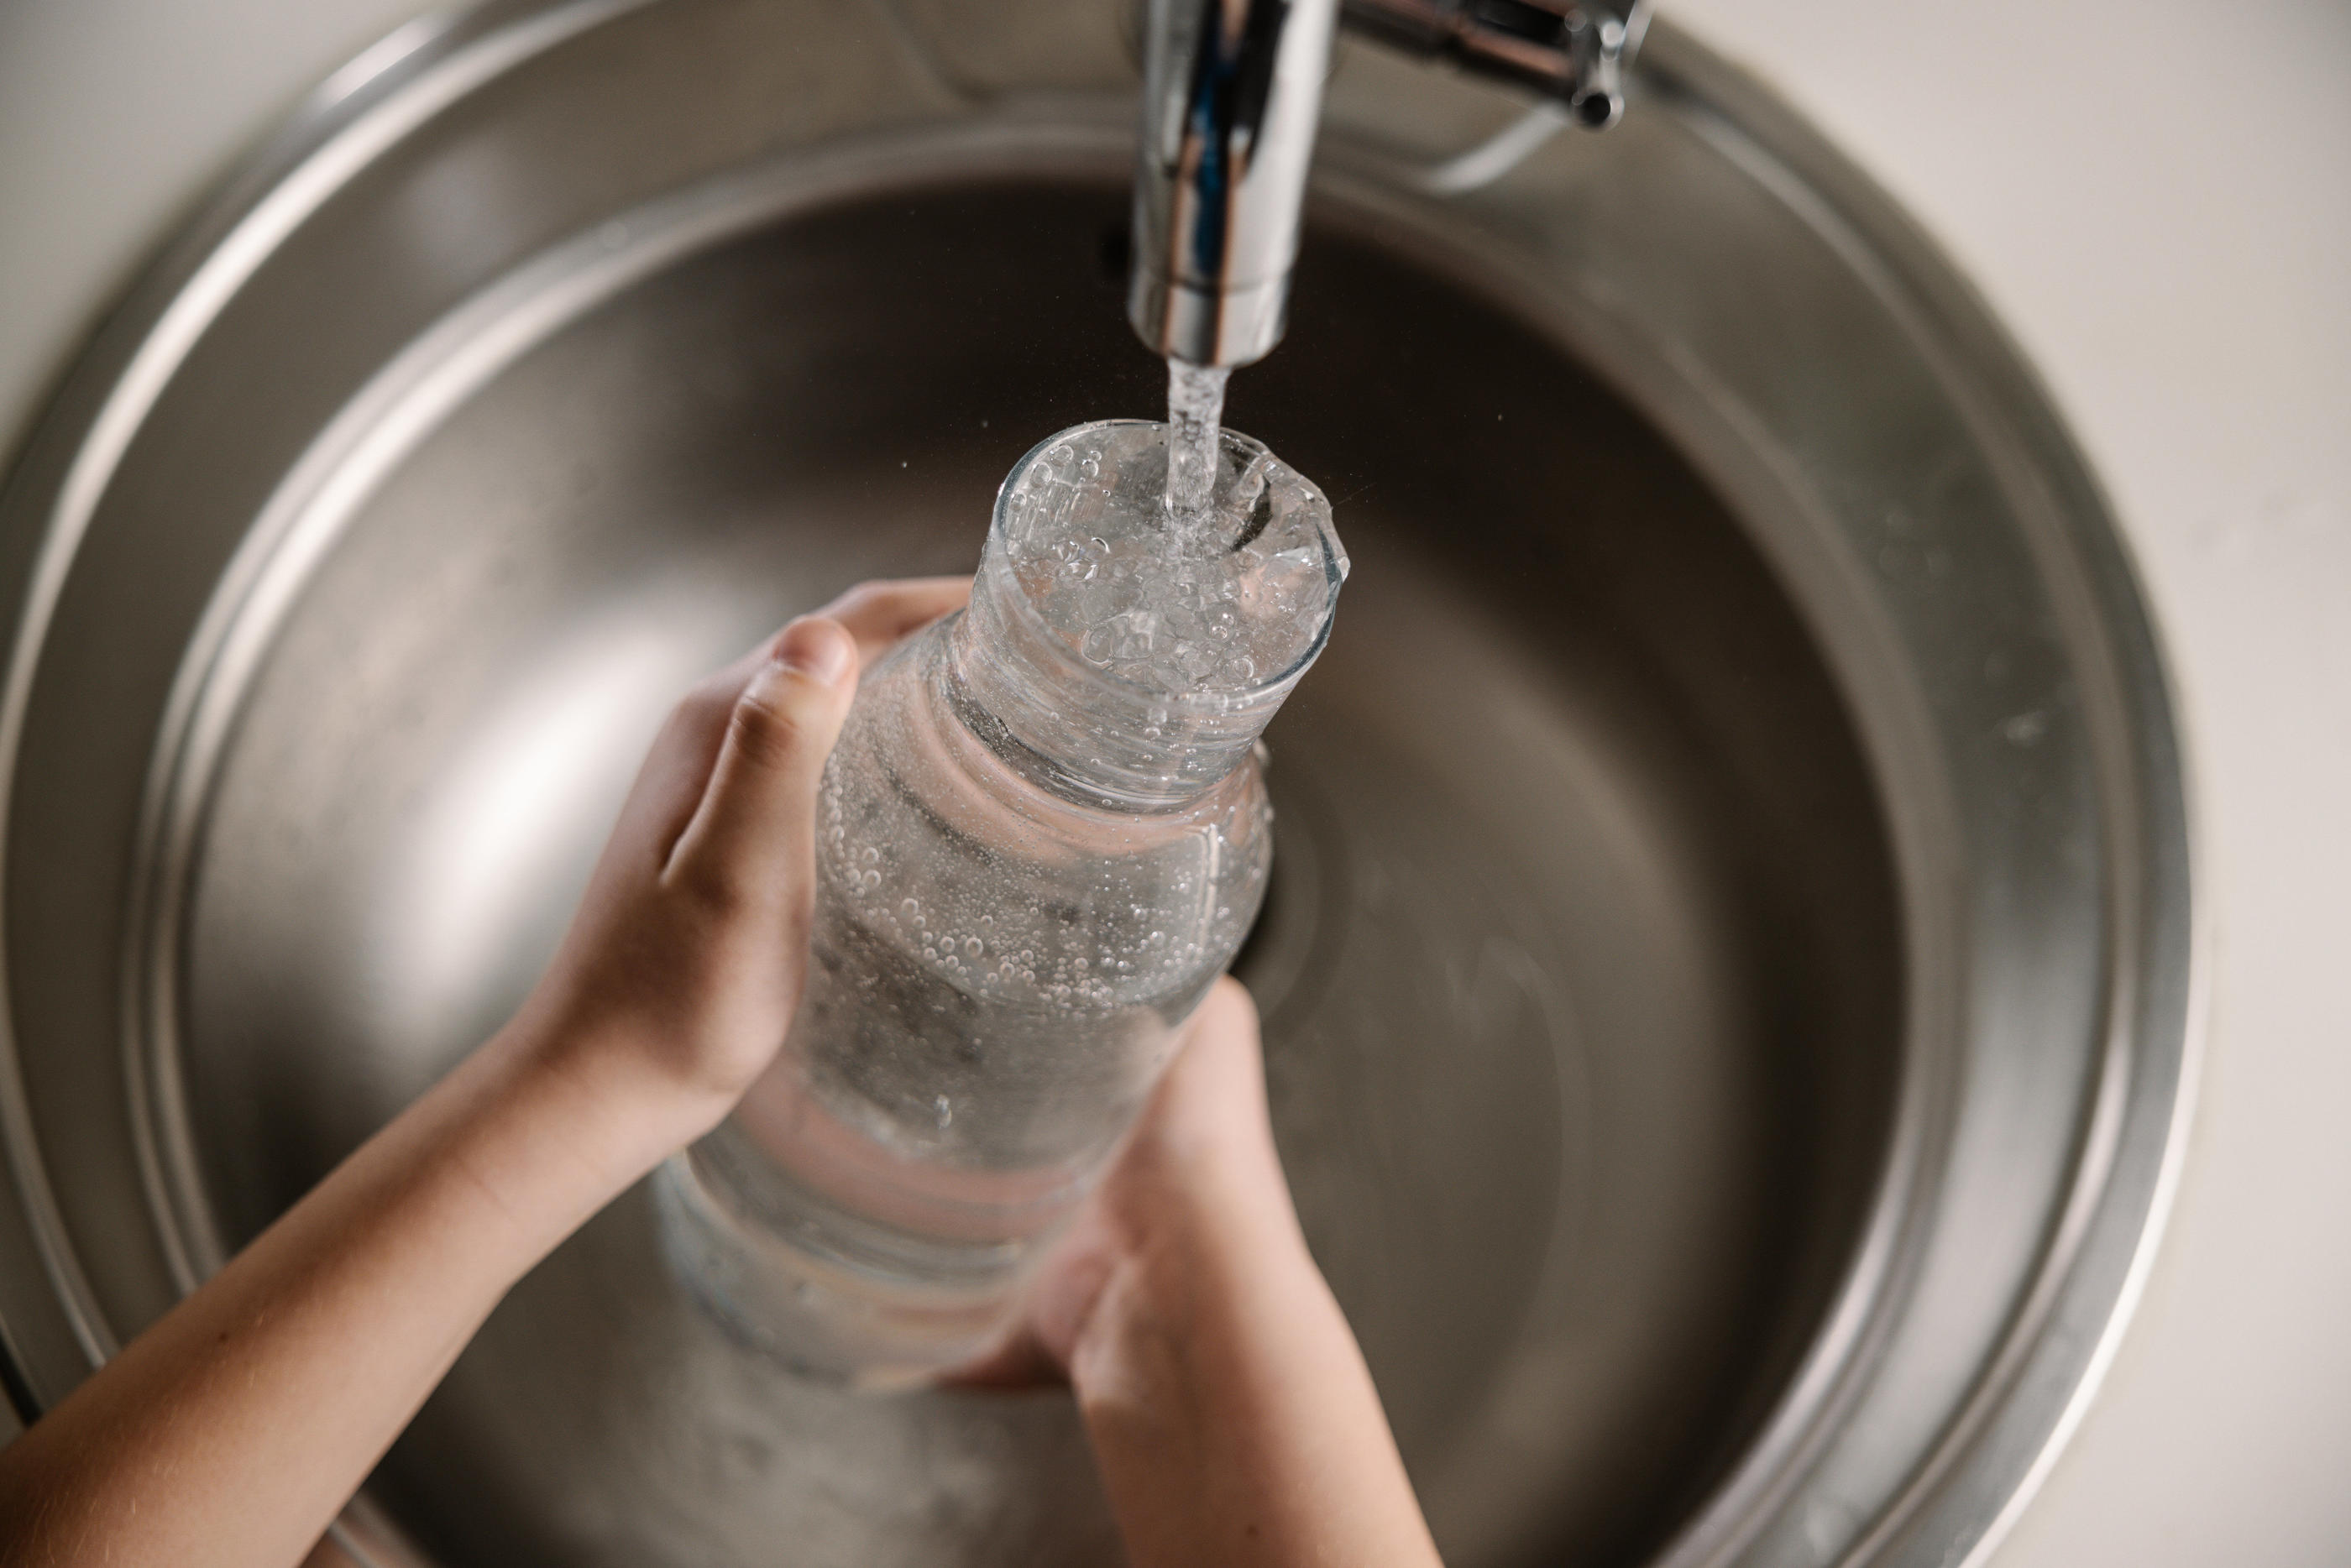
{"points": [[1043, 836]]}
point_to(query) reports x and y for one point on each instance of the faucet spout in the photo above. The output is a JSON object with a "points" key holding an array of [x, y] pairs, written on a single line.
{"points": [[1232, 90], [1231, 93]]}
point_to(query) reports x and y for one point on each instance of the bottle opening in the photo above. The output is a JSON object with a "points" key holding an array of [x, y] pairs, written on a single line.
{"points": [[1141, 649]]}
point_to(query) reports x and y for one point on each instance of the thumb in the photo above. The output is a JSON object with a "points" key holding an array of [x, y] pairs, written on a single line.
{"points": [[753, 829]]}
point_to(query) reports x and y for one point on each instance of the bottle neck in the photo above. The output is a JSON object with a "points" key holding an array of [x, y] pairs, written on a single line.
{"points": [[1087, 734]]}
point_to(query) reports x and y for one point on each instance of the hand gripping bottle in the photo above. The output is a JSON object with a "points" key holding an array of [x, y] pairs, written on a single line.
{"points": [[1041, 837]]}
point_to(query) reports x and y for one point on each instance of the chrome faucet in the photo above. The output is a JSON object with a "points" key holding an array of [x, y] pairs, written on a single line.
{"points": [[1232, 91]]}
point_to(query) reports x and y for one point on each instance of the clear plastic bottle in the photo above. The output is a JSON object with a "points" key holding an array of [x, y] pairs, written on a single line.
{"points": [[1043, 836]]}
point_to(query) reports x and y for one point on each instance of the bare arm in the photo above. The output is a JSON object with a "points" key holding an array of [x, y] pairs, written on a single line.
{"points": [[1230, 1410], [232, 1432]]}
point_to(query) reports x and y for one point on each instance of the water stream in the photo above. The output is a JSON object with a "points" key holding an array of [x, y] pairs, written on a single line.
{"points": [[1195, 410]]}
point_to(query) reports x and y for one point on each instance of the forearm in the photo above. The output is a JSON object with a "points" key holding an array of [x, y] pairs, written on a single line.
{"points": [[231, 1431], [1230, 1410]]}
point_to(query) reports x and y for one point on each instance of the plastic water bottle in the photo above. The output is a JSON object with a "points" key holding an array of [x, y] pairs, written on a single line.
{"points": [[1041, 837]]}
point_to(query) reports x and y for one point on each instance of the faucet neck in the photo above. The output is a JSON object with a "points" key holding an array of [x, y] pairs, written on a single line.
{"points": [[1230, 100]]}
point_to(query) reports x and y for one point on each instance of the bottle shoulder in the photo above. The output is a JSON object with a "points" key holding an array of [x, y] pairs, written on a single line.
{"points": [[931, 847], [916, 736]]}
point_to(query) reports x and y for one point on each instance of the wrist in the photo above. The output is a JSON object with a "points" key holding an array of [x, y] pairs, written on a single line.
{"points": [[622, 1113]]}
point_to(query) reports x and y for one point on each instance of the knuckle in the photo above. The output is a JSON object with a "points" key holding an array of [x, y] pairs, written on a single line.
{"points": [[708, 890], [763, 730]]}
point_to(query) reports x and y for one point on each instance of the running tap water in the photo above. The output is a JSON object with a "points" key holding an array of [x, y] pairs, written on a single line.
{"points": [[1195, 411]]}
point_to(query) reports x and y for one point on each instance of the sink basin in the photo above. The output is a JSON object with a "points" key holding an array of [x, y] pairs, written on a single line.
{"points": [[1728, 967]]}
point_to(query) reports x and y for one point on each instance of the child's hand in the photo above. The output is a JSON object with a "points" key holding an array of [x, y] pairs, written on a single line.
{"points": [[681, 971], [1198, 1174], [1231, 1413]]}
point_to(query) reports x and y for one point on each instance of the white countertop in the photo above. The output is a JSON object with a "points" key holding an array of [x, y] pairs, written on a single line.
{"points": [[2157, 199]]}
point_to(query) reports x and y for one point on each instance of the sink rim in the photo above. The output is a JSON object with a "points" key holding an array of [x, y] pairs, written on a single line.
{"points": [[2005, 1438]]}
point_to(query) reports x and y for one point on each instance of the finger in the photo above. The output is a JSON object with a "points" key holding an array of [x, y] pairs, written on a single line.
{"points": [[1221, 1037], [1212, 1103], [752, 831], [880, 615], [676, 772], [1228, 1008], [676, 769]]}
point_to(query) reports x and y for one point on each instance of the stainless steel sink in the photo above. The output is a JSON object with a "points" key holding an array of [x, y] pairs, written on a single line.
{"points": [[1728, 972]]}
